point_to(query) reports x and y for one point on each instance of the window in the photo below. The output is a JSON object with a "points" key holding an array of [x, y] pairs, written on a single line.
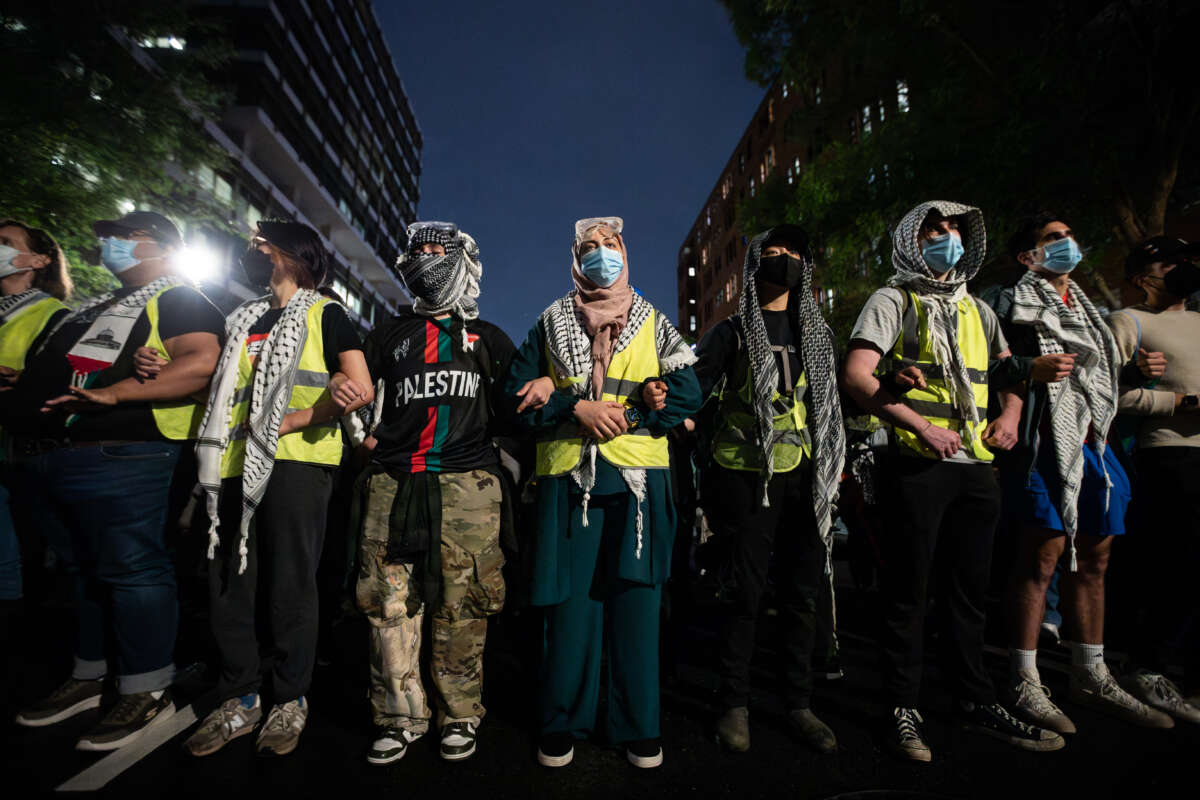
{"points": [[784, 89], [704, 256], [770, 159], [692, 323], [691, 272], [253, 215], [854, 128], [901, 96], [882, 113], [866, 121], [752, 187], [223, 191], [726, 186], [771, 111], [741, 162]]}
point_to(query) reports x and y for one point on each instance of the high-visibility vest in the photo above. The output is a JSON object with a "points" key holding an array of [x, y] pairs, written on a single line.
{"points": [[736, 443], [18, 333], [315, 444], [175, 419], [560, 450], [914, 347]]}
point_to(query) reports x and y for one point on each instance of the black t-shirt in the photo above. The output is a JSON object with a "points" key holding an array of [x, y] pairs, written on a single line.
{"points": [[338, 333], [718, 350], [181, 309], [442, 403]]}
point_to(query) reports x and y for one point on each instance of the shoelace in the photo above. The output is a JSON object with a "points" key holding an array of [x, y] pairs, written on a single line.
{"points": [[1002, 712], [907, 719], [282, 717], [1111, 689], [224, 714], [67, 688], [126, 709], [1037, 696], [1165, 691]]}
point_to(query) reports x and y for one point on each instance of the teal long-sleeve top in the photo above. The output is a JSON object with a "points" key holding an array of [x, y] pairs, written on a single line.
{"points": [[559, 501]]}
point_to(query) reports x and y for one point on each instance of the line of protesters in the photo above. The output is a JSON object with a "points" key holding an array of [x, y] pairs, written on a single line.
{"points": [[945, 411]]}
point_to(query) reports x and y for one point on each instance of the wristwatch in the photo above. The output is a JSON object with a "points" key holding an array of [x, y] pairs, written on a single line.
{"points": [[634, 417]]}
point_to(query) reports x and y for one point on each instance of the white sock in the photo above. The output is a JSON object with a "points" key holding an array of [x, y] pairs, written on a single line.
{"points": [[1086, 655], [1022, 660]]}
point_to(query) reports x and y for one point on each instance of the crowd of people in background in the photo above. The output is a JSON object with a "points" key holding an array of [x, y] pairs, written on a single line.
{"points": [[602, 454]]}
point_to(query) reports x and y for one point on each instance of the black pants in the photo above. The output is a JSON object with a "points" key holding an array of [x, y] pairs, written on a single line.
{"points": [[281, 570], [1166, 545], [787, 527], [939, 521]]}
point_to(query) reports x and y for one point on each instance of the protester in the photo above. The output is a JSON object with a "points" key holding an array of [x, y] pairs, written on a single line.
{"points": [[432, 501], [936, 478], [269, 442], [34, 282], [1159, 338], [778, 445], [100, 445], [605, 518]]}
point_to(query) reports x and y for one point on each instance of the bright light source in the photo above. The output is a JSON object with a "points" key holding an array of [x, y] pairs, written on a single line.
{"points": [[198, 262], [125, 207]]}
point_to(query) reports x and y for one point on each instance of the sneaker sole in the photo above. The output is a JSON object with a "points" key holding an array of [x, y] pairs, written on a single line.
{"points": [[388, 759], [457, 756], [920, 756], [66, 713], [1032, 745], [88, 746], [270, 752], [242, 731], [645, 762], [555, 761]]}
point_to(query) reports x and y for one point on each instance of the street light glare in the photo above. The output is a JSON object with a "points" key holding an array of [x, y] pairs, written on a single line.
{"points": [[199, 263]]}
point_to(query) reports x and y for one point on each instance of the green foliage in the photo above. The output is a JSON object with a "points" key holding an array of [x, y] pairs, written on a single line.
{"points": [[1015, 106], [92, 120]]}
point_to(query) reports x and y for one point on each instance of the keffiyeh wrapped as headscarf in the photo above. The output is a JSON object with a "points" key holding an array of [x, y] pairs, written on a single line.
{"points": [[941, 297], [820, 366], [604, 310], [440, 284]]}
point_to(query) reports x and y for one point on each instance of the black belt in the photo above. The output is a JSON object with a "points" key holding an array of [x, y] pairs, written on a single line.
{"points": [[28, 447]]}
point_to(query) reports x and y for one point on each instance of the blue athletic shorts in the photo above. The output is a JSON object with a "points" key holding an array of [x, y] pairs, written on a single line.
{"points": [[1034, 499]]}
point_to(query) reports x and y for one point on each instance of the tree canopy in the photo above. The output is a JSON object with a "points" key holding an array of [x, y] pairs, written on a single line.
{"points": [[93, 121], [1083, 108]]}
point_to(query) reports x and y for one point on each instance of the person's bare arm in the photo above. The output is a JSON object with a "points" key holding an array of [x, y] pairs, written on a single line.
{"points": [[350, 389]]}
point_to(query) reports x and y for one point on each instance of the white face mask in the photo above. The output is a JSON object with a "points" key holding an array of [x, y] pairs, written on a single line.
{"points": [[7, 254]]}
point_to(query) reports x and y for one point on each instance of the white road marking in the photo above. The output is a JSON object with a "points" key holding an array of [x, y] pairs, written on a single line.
{"points": [[99, 774]]}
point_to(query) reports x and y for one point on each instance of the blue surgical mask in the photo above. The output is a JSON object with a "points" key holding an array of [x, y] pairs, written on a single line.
{"points": [[1061, 256], [117, 254], [602, 266], [942, 252], [7, 254]]}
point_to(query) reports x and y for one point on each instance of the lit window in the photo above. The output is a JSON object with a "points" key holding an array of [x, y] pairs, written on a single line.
{"points": [[902, 96], [770, 159], [253, 215], [691, 301], [770, 111], [223, 191], [882, 112], [866, 120], [817, 95], [785, 89], [692, 323], [691, 272], [752, 187]]}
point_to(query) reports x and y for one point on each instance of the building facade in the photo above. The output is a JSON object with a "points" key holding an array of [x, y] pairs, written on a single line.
{"points": [[320, 131]]}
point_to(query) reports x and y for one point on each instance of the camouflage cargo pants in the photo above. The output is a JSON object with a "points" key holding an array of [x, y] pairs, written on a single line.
{"points": [[472, 589]]}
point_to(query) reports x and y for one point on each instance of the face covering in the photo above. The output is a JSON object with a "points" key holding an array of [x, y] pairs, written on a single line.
{"points": [[781, 270], [117, 254], [1183, 280], [1061, 256], [941, 253], [258, 267], [602, 266], [7, 254]]}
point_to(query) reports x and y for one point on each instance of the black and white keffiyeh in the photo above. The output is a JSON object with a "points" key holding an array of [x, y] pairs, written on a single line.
{"points": [[274, 378], [13, 304], [941, 298], [570, 350], [1087, 399], [440, 284], [819, 358]]}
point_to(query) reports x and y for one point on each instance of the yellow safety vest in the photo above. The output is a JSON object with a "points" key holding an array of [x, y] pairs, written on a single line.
{"points": [[175, 419], [18, 333], [736, 443], [914, 347], [315, 444], [561, 450]]}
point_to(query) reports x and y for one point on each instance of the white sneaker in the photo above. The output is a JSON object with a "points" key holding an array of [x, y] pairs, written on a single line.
{"points": [[1156, 690], [1030, 701], [390, 744], [1096, 688]]}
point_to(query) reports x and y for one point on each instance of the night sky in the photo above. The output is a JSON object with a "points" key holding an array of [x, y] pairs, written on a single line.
{"points": [[536, 114]]}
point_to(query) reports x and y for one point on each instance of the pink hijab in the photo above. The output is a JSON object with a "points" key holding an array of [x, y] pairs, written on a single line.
{"points": [[604, 311]]}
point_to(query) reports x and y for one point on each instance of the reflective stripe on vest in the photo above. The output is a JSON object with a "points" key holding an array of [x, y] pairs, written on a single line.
{"points": [[175, 419], [560, 450], [736, 443], [316, 444], [915, 346], [18, 333]]}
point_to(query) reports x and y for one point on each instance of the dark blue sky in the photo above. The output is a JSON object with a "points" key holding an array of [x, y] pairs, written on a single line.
{"points": [[536, 114]]}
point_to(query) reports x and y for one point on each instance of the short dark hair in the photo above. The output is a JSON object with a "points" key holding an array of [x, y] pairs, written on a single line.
{"points": [[302, 244], [1028, 231], [54, 278]]}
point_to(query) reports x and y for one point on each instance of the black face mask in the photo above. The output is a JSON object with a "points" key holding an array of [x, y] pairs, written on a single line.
{"points": [[781, 270], [1183, 280], [258, 267]]}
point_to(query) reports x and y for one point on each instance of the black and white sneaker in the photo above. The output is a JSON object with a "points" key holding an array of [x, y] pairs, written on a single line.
{"points": [[994, 720], [73, 697], [129, 719], [458, 741], [904, 737], [390, 745], [556, 749], [644, 753]]}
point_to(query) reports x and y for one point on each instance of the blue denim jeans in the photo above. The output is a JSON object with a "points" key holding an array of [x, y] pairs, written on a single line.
{"points": [[112, 501], [10, 551]]}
